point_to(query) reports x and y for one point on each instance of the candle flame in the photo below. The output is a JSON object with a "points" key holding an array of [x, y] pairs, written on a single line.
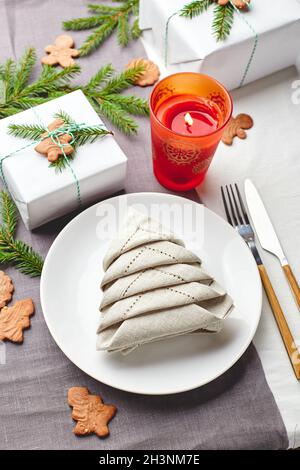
{"points": [[188, 119]]}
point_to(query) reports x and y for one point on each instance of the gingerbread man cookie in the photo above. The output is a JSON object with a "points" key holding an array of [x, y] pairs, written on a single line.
{"points": [[48, 147], [236, 128], [61, 52]]}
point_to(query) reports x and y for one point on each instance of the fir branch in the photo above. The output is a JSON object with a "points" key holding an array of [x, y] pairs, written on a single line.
{"points": [[91, 134], [9, 213], [132, 104], [103, 9], [106, 19], [68, 120], [80, 24], [21, 255], [123, 81], [108, 101], [195, 8], [116, 114], [135, 29], [26, 131], [223, 21], [52, 83], [97, 37], [13, 251], [104, 74], [24, 69], [123, 31], [223, 16]]}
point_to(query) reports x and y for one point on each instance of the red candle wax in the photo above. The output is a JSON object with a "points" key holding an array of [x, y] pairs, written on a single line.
{"points": [[190, 115]]}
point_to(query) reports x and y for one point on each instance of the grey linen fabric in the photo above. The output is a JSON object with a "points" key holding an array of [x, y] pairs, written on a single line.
{"points": [[236, 411]]}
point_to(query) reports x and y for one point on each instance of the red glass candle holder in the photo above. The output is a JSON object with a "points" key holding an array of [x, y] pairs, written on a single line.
{"points": [[189, 112]]}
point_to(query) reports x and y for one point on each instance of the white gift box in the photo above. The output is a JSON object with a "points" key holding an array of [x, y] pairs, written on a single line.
{"points": [[192, 47], [42, 193]]}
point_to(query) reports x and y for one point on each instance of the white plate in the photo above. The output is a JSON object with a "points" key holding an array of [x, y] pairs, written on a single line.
{"points": [[70, 297]]}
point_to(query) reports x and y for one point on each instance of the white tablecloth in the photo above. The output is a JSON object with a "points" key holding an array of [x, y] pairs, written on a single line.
{"points": [[271, 158]]}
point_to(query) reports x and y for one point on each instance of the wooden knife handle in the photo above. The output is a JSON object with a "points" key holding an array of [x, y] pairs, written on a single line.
{"points": [[292, 282], [285, 332]]}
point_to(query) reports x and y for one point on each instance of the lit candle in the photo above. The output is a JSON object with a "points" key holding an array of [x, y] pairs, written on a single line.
{"points": [[188, 114]]}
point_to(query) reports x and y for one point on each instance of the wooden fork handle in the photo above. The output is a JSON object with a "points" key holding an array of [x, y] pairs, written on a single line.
{"points": [[283, 327], [292, 282]]}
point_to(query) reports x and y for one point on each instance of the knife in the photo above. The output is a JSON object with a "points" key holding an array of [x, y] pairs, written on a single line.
{"points": [[267, 235]]}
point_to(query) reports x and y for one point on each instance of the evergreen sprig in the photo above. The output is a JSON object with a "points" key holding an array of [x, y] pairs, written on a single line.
{"points": [[82, 136], [103, 91], [12, 251], [223, 16], [105, 20], [195, 8], [223, 21]]}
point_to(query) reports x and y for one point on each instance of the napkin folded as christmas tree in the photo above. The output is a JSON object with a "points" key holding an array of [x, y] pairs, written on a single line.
{"points": [[154, 288]]}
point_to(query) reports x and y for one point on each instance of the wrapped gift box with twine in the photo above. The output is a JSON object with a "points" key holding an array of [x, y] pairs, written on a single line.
{"points": [[43, 193], [263, 40]]}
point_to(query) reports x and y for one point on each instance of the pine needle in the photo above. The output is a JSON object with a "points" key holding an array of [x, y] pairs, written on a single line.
{"points": [[8, 213], [106, 19], [12, 251], [103, 91], [195, 8], [223, 16], [17, 93], [26, 131], [223, 21]]}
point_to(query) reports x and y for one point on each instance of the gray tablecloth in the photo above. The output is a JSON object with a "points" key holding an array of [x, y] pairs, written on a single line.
{"points": [[237, 411]]}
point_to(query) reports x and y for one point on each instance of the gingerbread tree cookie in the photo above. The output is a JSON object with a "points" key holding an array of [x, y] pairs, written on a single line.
{"points": [[61, 52], [150, 74], [89, 411], [14, 319], [6, 289]]}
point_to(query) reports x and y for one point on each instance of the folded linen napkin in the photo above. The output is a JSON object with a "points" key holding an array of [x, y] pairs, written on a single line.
{"points": [[154, 288]]}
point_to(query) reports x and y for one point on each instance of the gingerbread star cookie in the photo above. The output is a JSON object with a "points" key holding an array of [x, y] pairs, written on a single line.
{"points": [[236, 128], [14, 319], [48, 147], [241, 4], [6, 289], [61, 52], [89, 411], [150, 74]]}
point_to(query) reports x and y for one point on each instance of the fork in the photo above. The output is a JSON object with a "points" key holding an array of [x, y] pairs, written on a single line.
{"points": [[237, 217]]}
